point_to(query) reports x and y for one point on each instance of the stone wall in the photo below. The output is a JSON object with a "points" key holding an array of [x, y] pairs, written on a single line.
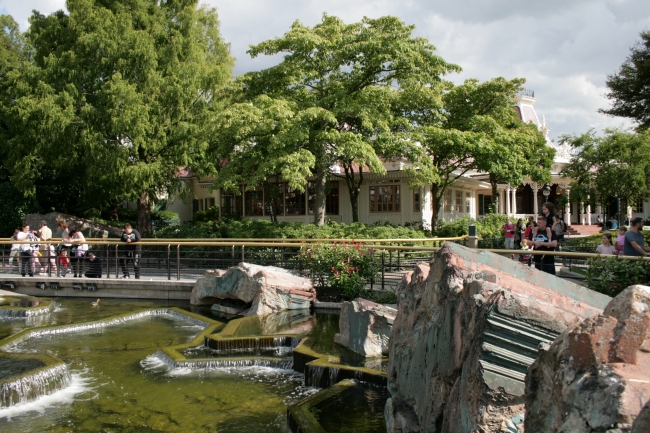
{"points": [[469, 325], [89, 228]]}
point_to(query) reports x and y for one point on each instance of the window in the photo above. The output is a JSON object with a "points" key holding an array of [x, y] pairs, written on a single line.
{"points": [[448, 205], [331, 198], [484, 204], [230, 203], [253, 203], [417, 206], [459, 201], [274, 199], [468, 202], [639, 205], [384, 196], [294, 201]]}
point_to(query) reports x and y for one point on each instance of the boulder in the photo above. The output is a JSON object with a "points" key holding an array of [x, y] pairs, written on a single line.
{"points": [[365, 327], [258, 289], [596, 376], [642, 422], [468, 326], [89, 228]]}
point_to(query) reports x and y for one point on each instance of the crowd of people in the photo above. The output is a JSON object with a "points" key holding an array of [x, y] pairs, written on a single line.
{"points": [[71, 256]]}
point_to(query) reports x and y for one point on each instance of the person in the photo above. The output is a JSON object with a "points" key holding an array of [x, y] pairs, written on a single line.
{"points": [[613, 222], [509, 230], [64, 263], [620, 240], [599, 220], [529, 230], [606, 248], [26, 251], [558, 228], [14, 254], [64, 234], [548, 209], [47, 250], [531, 221], [94, 266], [519, 231], [634, 244], [79, 248], [542, 238], [36, 252], [132, 251]]}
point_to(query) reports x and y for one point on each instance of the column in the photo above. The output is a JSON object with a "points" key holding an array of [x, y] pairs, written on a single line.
{"points": [[508, 200], [535, 205], [567, 211], [514, 201], [588, 211], [582, 213], [427, 207]]}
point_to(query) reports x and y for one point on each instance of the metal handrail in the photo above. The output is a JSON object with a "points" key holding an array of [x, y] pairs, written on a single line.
{"points": [[351, 240]]}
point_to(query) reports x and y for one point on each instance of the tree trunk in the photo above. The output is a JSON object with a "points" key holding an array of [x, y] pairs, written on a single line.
{"points": [[321, 191], [144, 214], [437, 194], [495, 194], [354, 189]]}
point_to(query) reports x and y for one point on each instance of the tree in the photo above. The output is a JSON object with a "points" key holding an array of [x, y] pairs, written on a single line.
{"points": [[332, 86], [616, 164], [629, 89], [476, 128], [120, 91]]}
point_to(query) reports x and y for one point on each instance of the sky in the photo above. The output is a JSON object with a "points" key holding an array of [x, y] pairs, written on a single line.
{"points": [[563, 48]]}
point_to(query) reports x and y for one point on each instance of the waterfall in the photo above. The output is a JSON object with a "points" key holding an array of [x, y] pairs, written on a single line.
{"points": [[224, 362], [22, 312], [313, 376], [228, 345], [32, 386]]}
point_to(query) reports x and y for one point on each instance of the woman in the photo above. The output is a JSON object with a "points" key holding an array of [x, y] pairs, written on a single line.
{"points": [[79, 245], [548, 209], [606, 248], [64, 234], [518, 232], [558, 227]]}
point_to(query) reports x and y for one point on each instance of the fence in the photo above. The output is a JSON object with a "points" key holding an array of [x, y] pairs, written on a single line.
{"points": [[189, 259]]}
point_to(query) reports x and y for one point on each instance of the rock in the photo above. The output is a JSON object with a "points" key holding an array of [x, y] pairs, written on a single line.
{"points": [[227, 311], [468, 326], [365, 327], [260, 289], [29, 301], [89, 228], [596, 376], [642, 422]]}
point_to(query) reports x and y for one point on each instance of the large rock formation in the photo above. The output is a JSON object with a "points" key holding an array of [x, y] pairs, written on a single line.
{"points": [[254, 290], [365, 327], [89, 228], [468, 326], [596, 377]]}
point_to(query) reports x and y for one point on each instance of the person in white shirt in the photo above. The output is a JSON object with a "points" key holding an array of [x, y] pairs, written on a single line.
{"points": [[606, 248]]}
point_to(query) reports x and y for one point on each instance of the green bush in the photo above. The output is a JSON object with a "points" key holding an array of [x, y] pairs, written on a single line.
{"points": [[487, 227], [211, 214], [164, 215], [612, 275], [341, 266], [13, 208]]}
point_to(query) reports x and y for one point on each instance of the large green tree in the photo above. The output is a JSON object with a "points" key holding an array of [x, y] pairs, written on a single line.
{"points": [[330, 91], [629, 89], [616, 164], [475, 129], [119, 92]]}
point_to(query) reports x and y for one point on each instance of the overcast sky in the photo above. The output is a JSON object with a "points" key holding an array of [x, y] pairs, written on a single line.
{"points": [[564, 48]]}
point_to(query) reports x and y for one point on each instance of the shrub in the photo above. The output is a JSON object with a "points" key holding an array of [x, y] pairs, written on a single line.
{"points": [[165, 215], [487, 227], [343, 267], [611, 275]]}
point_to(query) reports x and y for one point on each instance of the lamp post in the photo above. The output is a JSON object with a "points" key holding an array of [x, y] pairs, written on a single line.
{"points": [[546, 190]]}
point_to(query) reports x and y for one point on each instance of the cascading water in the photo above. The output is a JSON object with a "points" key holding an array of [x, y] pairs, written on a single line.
{"points": [[31, 386]]}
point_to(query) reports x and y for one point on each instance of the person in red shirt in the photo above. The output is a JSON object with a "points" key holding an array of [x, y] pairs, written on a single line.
{"points": [[508, 229]]}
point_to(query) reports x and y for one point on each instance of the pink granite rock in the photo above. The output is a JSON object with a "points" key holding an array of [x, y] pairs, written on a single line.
{"points": [[365, 327], [259, 289], [468, 326], [596, 377]]}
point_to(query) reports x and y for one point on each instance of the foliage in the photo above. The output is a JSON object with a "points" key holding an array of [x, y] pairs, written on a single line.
{"points": [[264, 229], [164, 215], [211, 214], [327, 102], [487, 227], [13, 208], [612, 275], [343, 267], [117, 92], [475, 128], [615, 164], [629, 89]]}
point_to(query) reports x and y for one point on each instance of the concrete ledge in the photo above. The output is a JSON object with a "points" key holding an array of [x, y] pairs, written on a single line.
{"points": [[328, 305], [106, 288]]}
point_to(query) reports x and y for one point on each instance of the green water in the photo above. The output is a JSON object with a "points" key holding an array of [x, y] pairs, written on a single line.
{"points": [[356, 409], [119, 387]]}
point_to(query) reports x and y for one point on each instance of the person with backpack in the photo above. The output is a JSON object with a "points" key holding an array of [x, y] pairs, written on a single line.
{"points": [[543, 238]]}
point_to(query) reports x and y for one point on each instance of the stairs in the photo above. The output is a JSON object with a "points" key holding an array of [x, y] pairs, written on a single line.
{"points": [[583, 230]]}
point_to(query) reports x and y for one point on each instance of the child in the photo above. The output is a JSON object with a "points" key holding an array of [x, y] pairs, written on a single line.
{"points": [[64, 262], [620, 240]]}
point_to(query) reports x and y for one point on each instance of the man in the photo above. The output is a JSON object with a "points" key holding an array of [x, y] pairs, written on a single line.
{"points": [[132, 251], [94, 266], [542, 238], [26, 251], [47, 251], [509, 230], [634, 243]]}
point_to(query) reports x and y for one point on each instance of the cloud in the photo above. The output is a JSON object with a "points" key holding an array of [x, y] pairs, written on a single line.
{"points": [[564, 48]]}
